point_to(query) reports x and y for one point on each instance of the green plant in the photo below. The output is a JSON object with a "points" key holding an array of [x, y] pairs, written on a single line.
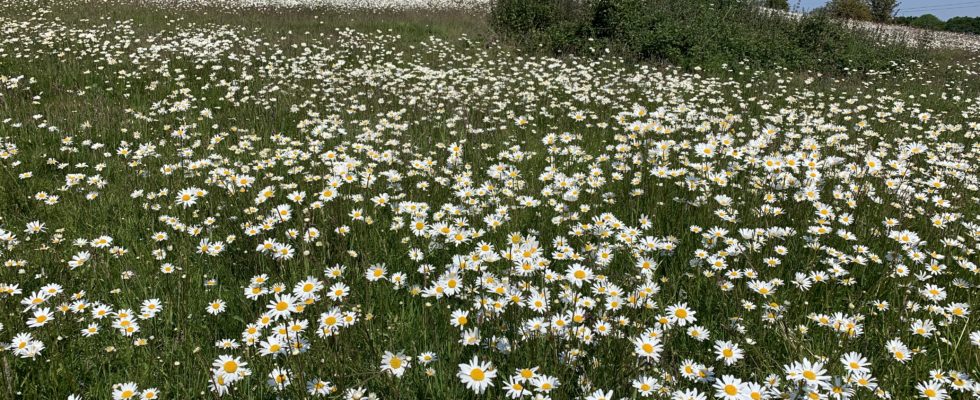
{"points": [[883, 10], [963, 25], [778, 4], [926, 21], [550, 23], [695, 33], [850, 9]]}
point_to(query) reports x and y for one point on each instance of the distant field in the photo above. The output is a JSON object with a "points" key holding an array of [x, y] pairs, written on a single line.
{"points": [[293, 200]]}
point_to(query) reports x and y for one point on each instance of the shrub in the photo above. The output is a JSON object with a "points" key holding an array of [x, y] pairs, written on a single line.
{"points": [[705, 33], [963, 25], [926, 21], [554, 23], [882, 10], [850, 9], [778, 4], [955, 24]]}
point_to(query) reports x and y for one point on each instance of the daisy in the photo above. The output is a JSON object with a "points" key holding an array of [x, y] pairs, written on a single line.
{"points": [[459, 318], [90, 330], [855, 363], [279, 378], [20, 341], [395, 364], [899, 351], [600, 395], [216, 307], [125, 391], [680, 314], [647, 347], [282, 306], [932, 390], [515, 389], [689, 394], [41, 317], [338, 291], [150, 394], [729, 352], [645, 385], [731, 388], [477, 375], [229, 365], [811, 373], [544, 383], [272, 346], [319, 387], [426, 357], [375, 273]]}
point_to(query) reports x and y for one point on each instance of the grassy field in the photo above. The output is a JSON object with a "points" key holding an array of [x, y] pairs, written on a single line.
{"points": [[260, 203]]}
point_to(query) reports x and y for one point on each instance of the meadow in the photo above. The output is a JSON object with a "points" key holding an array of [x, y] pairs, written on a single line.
{"points": [[284, 200]]}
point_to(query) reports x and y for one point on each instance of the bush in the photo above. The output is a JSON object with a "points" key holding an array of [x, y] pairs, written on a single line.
{"points": [[850, 9], [955, 24], [882, 10], [552, 22], [963, 25], [927, 21], [778, 4], [704, 33]]}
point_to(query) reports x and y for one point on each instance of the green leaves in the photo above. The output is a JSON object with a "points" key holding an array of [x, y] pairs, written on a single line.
{"points": [[698, 33]]}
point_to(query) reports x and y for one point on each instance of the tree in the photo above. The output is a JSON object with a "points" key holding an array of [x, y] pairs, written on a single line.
{"points": [[849, 9], [927, 21], [883, 10], [963, 24], [778, 4]]}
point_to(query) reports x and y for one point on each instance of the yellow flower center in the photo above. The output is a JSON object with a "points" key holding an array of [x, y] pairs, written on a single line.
{"points": [[231, 366], [477, 374]]}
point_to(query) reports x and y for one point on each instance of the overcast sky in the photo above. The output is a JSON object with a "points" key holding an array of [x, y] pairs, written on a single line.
{"points": [[941, 8]]}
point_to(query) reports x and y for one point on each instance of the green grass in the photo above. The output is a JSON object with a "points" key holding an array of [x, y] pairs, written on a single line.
{"points": [[412, 84]]}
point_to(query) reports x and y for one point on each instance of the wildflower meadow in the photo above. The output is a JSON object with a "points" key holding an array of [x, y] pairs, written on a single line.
{"points": [[340, 199]]}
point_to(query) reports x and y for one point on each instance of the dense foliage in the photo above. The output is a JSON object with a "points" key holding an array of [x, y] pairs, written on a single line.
{"points": [[708, 34], [882, 10], [849, 9], [777, 4], [955, 24]]}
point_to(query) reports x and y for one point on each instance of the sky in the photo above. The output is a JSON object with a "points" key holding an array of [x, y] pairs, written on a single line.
{"points": [[941, 8]]}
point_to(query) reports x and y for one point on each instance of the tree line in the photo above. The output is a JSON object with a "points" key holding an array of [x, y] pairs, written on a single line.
{"points": [[884, 11], [955, 24]]}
